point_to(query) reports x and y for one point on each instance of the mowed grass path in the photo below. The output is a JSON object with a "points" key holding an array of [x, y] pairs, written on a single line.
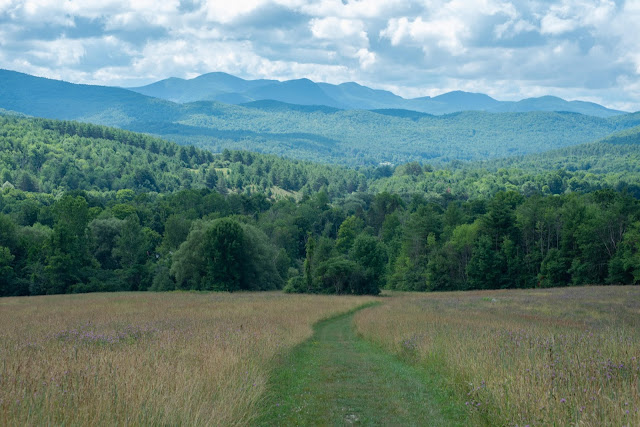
{"points": [[337, 378]]}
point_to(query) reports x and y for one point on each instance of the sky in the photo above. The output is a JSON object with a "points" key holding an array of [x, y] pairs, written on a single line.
{"points": [[575, 49]]}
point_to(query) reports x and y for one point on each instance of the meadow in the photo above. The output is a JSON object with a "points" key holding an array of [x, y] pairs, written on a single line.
{"points": [[565, 356], [148, 358]]}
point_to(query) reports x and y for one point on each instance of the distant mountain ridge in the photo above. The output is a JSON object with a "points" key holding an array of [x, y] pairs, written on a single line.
{"points": [[311, 132], [230, 89]]}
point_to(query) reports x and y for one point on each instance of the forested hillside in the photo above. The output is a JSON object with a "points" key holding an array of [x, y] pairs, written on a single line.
{"points": [[364, 137], [618, 152], [314, 133], [50, 156], [89, 208]]}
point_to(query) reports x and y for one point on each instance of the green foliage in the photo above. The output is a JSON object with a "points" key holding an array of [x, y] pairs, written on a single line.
{"points": [[226, 255], [341, 276], [189, 262], [371, 256], [553, 271], [224, 252], [131, 250], [69, 261], [83, 227], [7, 275], [625, 266], [295, 285], [347, 233]]}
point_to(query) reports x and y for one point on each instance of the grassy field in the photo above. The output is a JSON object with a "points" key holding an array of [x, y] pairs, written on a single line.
{"points": [[145, 358], [568, 356]]}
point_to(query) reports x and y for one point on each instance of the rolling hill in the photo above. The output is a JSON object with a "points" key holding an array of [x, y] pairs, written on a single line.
{"points": [[617, 153]]}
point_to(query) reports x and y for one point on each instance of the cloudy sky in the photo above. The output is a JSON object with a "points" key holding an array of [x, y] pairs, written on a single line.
{"points": [[576, 49]]}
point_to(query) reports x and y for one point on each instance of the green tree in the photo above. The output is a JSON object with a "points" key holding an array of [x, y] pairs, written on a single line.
{"points": [[349, 229], [225, 254], [132, 250], [7, 275], [484, 269], [69, 261], [309, 263], [371, 256], [189, 262], [625, 266], [342, 276], [176, 230], [553, 271], [105, 233]]}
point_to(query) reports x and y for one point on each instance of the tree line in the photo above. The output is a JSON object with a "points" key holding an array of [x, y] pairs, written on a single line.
{"points": [[203, 240]]}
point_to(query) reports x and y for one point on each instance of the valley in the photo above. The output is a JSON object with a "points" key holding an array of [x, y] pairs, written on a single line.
{"points": [[320, 212], [215, 234]]}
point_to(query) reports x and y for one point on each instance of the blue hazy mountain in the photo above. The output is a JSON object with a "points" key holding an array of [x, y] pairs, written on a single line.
{"points": [[55, 99], [322, 132], [202, 88], [234, 90]]}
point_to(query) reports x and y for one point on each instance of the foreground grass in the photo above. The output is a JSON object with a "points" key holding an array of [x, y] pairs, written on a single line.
{"points": [[337, 378], [143, 358], [568, 356]]}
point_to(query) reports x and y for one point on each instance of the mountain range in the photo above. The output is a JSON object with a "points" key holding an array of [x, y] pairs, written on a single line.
{"points": [[311, 132], [349, 96]]}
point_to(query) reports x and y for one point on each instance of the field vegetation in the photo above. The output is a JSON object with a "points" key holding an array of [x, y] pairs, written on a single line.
{"points": [[148, 359], [566, 356]]}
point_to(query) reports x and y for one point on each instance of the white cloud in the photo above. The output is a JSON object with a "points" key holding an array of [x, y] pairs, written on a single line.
{"points": [[572, 48], [338, 29], [227, 11], [512, 28], [447, 33], [572, 14], [552, 24], [61, 52], [6, 5], [449, 25], [367, 59], [238, 58], [354, 8]]}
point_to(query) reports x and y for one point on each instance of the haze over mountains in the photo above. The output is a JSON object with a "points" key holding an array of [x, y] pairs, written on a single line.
{"points": [[234, 90], [311, 132]]}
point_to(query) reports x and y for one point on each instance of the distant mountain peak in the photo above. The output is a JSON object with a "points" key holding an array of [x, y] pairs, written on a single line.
{"points": [[227, 88], [462, 95], [301, 81], [352, 84]]}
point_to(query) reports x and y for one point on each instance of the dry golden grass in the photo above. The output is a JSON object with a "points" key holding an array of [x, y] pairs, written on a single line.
{"points": [[567, 356], [145, 358]]}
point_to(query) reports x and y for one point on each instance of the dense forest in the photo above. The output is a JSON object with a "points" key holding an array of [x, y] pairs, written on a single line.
{"points": [[89, 208], [356, 137]]}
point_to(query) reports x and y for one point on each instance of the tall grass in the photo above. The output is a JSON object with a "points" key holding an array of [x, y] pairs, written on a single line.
{"points": [[568, 356], [142, 358]]}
